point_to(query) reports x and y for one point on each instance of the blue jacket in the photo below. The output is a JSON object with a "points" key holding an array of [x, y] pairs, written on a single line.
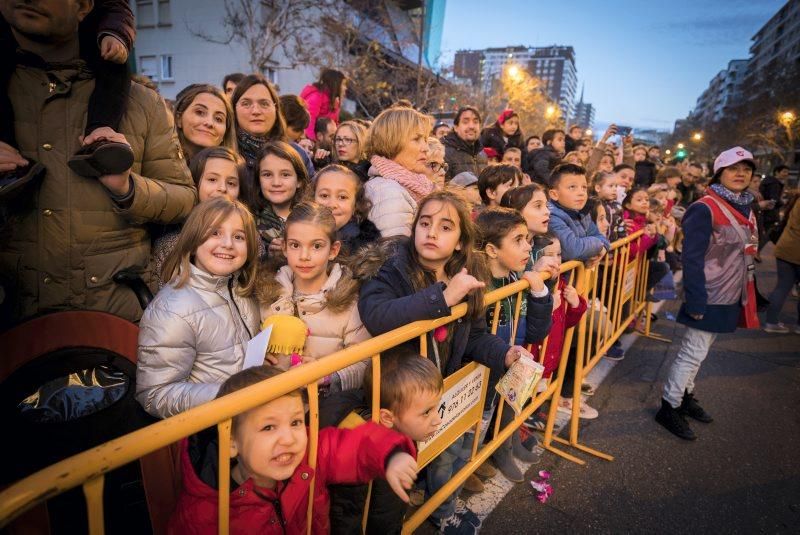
{"points": [[387, 301], [697, 229], [580, 239]]}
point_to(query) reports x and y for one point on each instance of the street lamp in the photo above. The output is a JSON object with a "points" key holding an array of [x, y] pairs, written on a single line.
{"points": [[697, 136], [588, 132], [681, 145], [513, 72], [668, 152], [787, 118], [549, 111]]}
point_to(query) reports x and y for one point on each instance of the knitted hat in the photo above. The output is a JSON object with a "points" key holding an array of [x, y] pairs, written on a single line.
{"points": [[288, 334], [506, 115], [491, 153]]}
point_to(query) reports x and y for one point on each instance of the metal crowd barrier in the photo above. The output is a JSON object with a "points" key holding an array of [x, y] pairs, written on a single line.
{"points": [[616, 292]]}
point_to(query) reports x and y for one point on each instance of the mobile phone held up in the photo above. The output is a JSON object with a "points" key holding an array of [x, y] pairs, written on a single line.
{"points": [[624, 130]]}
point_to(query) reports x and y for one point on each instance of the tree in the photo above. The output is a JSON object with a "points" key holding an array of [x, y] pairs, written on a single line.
{"points": [[269, 29], [521, 91]]}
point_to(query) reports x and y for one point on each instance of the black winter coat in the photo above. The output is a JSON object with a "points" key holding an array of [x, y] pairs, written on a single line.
{"points": [[645, 173], [492, 137], [540, 162], [355, 235], [388, 300], [462, 156]]}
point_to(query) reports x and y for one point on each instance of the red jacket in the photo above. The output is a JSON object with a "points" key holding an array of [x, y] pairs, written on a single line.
{"points": [[639, 247], [564, 317], [319, 105], [344, 456]]}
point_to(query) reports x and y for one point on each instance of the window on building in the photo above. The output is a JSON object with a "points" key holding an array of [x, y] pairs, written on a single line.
{"points": [[166, 68], [164, 14], [145, 14], [148, 66]]}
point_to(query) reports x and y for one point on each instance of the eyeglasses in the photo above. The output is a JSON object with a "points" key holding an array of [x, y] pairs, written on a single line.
{"points": [[344, 140], [437, 167], [262, 104]]}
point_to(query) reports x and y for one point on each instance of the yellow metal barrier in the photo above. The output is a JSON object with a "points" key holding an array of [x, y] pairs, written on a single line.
{"points": [[87, 469]]}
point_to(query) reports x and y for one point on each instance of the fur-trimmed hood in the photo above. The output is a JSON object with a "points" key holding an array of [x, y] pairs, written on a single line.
{"points": [[340, 290], [368, 260]]}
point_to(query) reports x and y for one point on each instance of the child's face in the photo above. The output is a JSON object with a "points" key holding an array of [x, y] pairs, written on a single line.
{"points": [[278, 180], [536, 213], [473, 195], [602, 221], [673, 181], [203, 121], [625, 178], [655, 216], [220, 177], [606, 164], [437, 234], [558, 142], [639, 155], [514, 251], [225, 251], [554, 250], [571, 191], [308, 249], [270, 441], [420, 420], [496, 194], [511, 126], [337, 191], [639, 203], [607, 189], [512, 157]]}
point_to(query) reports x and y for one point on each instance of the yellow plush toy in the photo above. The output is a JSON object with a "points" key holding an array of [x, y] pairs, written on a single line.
{"points": [[287, 339]]}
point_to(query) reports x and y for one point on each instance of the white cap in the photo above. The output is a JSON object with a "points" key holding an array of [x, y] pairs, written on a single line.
{"points": [[732, 156], [464, 179]]}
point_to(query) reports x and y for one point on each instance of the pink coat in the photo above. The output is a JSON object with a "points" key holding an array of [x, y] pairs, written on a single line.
{"points": [[319, 105], [643, 244]]}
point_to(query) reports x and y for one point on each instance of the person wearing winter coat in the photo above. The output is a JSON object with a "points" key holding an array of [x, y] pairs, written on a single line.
{"points": [[720, 240], [194, 334], [504, 133], [324, 98], [398, 142], [787, 259], [72, 234], [463, 150], [270, 473], [540, 162]]}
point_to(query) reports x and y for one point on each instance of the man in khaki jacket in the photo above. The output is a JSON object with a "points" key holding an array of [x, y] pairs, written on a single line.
{"points": [[71, 234]]}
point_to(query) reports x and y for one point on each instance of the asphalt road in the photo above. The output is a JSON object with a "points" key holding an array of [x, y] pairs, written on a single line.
{"points": [[742, 475]]}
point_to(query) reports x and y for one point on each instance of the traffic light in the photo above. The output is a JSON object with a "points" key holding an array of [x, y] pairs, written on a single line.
{"points": [[680, 154]]}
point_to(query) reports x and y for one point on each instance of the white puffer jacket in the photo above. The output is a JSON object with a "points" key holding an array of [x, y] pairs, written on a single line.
{"points": [[393, 207], [191, 339]]}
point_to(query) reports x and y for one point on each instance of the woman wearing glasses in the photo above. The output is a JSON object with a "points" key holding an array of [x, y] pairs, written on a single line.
{"points": [[259, 119], [349, 144], [436, 168]]}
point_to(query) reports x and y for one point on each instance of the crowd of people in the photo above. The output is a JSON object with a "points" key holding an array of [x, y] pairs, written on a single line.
{"points": [[245, 209]]}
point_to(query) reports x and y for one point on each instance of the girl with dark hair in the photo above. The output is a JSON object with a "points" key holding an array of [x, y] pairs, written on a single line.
{"points": [[504, 133], [281, 182], [324, 98]]}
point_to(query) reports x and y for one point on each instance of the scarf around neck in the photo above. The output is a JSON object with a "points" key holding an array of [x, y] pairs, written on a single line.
{"points": [[744, 198], [250, 146], [417, 185]]}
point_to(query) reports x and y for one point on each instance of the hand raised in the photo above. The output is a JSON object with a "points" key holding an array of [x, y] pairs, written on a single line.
{"points": [[460, 285]]}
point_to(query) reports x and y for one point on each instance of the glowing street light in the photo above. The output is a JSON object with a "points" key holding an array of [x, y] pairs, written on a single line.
{"points": [[681, 145], [513, 71], [787, 118], [550, 111], [697, 136], [588, 132], [668, 152]]}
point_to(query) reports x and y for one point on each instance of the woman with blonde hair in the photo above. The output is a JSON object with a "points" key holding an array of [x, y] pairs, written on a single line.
{"points": [[436, 168], [398, 145], [204, 118], [350, 144]]}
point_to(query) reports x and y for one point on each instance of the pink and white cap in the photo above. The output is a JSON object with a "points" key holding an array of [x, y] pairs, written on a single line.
{"points": [[733, 156]]}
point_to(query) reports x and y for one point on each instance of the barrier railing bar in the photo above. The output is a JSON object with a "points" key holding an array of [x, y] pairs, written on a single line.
{"points": [[224, 477], [93, 491]]}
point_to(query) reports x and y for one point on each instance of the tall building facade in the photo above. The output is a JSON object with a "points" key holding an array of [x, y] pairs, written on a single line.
{"points": [[776, 47], [584, 114], [554, 65], [723, 92]]}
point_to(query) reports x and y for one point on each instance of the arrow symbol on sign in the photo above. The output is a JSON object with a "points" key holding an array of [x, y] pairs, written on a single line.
{"points": [[441, 410]]}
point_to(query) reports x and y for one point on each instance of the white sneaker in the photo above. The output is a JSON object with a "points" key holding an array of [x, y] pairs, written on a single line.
{"points": [[586, 412], [776, 328]]}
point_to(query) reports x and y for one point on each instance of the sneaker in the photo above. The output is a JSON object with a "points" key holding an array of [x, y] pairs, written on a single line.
{"points": [[466, 513], [650, 298], [615, 352], [455, 525], [689, 407], [672, 420], [586, 412], [521, 452], [536, 421], [505, 463], [473, 484], [587, 389], [486, 470], [776, 328]]}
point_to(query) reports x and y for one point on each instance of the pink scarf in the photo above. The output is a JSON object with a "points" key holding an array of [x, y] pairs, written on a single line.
{"points": [[417, 185]]}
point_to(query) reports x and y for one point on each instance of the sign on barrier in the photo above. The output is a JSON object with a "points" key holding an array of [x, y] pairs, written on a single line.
{"points": [[460, 409], [629, 281]]}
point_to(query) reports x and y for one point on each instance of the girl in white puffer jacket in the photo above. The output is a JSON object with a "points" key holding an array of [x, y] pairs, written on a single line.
{"points": [[194, 334]]}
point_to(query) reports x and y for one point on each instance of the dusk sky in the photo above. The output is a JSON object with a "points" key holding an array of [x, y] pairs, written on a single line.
{"points": [[643, 63]]}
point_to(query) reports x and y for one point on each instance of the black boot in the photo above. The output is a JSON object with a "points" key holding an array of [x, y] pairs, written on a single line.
{"points": [[689, 407], [671, 418]]}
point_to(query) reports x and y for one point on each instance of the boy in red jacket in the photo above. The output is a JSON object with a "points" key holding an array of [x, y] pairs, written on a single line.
{"points": [[270, 476]]}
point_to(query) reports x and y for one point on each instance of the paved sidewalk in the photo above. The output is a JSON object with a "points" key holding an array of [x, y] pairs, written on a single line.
{"points": [[742, 475]]}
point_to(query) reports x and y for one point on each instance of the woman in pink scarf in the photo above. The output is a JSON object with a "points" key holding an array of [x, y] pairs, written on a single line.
{"points": [[398, 143]]}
